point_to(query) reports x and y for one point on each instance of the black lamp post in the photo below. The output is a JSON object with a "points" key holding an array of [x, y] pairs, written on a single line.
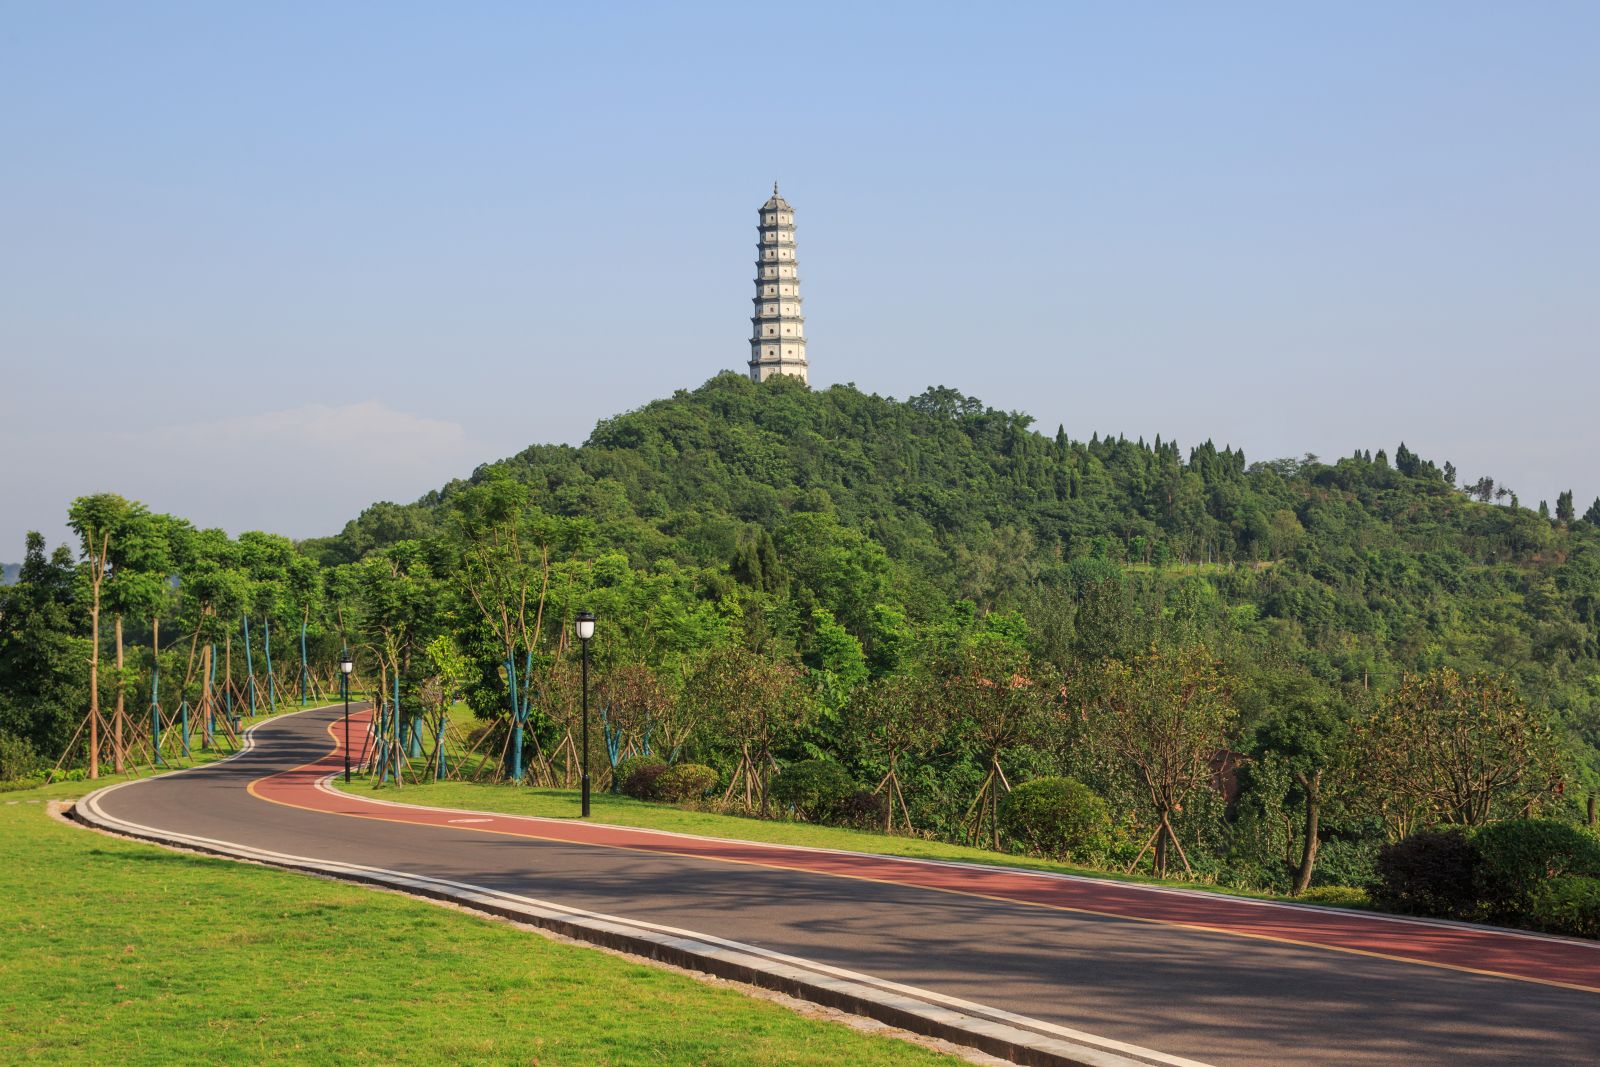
{"points": [[346, 665], [585, 632]]}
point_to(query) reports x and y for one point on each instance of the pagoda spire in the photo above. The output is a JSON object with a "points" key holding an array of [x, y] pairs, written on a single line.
{"points": [[777, 329]]}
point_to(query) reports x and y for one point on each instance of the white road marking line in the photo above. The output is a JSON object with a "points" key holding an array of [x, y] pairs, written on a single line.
{"points": [[706, 944]]}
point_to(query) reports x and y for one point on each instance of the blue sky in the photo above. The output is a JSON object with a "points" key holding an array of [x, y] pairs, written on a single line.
{"points": [[262, 265]]}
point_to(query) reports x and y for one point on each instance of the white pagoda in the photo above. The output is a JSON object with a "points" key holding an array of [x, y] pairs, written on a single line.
{"points": [[778, 330]]}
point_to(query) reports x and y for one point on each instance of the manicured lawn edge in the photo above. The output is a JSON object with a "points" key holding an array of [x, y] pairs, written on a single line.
{"points": [[119, 951]]}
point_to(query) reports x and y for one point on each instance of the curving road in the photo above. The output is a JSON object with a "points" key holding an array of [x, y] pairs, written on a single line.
{"points": [[1119, 973]]}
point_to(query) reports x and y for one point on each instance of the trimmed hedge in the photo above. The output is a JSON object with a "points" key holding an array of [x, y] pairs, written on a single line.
{"points": [[1568, 904], [1056, 816], [1434, 872], [1519, 856], [1538, 873], [685, 781]]}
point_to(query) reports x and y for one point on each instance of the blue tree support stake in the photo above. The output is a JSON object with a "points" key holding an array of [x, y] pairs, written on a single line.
{"points": [[613, 746], [272, 679], [211, 688], [155, 711], [438, 746]]}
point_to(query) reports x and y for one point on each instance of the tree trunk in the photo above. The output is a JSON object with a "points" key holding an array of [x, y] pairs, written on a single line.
{"points": [[1308, 858], [116, 723], [94, 681], [206, 701]]}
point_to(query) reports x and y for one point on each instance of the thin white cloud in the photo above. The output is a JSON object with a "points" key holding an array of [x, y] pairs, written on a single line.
{"points": [[301, 471], [370, 433]]}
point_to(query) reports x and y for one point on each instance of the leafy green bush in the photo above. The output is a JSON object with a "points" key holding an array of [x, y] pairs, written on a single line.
{"points": [[1346, 862], [1518, 856], [625, 768], [1429, 873], [1348, 896], [814, 789], [863, 810], [685, 781], [641, 777], [1567, 904], [17, 758], [1056, 816]]}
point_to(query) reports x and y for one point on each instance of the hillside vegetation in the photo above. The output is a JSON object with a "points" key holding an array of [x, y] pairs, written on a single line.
{"points": [[1360, 569], [919, 616]]}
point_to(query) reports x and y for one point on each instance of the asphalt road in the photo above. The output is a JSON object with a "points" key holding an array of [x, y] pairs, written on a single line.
{"points": [[1207, 995]]}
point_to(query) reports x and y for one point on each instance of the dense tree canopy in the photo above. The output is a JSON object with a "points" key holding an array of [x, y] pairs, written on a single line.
{"points": [[924, 591]]}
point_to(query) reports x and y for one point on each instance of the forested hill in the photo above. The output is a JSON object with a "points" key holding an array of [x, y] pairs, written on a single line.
{"points": [[1358, 569]]}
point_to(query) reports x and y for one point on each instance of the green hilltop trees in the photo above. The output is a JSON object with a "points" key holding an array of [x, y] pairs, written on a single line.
{"points": [[1264, 670]]}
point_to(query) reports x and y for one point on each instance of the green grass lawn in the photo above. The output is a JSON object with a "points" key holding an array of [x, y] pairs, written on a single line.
{"points": [[117, 952], [624, 811]]}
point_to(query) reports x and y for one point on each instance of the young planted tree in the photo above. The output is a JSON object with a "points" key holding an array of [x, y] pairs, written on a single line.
{"points": [[401, 611], [450, 671], [268, 559], [1304, 729], [302, 598], [1163, 714], [994, 701], [504, 569], [755, 700], [631, 699], [1458, 750], [137, 588], [889, 718], [214, 591], [97, 520]]}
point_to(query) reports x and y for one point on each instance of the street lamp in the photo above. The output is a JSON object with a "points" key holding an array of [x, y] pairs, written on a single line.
{"points": [[585, 632], [346, 665]]}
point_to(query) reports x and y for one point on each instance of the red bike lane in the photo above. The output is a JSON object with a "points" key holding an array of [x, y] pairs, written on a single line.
{"points": [[1478, 950]]}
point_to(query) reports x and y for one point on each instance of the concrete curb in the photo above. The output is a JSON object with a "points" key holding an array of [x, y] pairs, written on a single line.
{"points": [[1016, 1038]]}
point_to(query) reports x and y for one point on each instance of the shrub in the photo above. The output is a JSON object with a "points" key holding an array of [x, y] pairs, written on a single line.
{"points": [[625, 768], [1345, 862], [17, 758], [1343, 895], [641, 780], [1429, 873], [863, 810], [685, 781], [1056, 816], [1519, 856], [814, 788], [1567, 904]]}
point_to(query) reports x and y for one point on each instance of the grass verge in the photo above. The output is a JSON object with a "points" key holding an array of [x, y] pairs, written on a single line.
{"points": [[625, 811], [118, 952]]}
